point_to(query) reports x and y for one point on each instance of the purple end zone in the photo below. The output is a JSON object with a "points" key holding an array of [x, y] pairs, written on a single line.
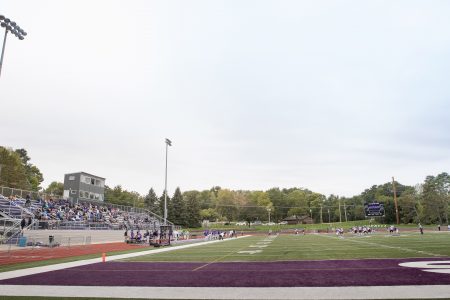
{"points": [[373, 272]]}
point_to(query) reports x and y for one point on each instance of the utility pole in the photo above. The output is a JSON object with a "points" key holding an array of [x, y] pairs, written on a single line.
{"points": [[340, 214], [395, 201], [345, 212], [321, 219]]}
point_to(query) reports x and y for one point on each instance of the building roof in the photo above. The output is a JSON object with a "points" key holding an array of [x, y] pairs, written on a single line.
{"points": [[84, 173]]}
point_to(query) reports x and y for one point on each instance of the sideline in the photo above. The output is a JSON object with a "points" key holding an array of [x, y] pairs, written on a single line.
{"points": [[37, 270], [283, 293]]}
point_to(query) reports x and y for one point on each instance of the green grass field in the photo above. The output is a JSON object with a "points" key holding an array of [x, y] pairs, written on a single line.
{"points": [[313, 247]]}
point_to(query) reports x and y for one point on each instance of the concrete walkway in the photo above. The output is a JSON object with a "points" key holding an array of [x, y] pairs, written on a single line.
{"points": [[368, 292]]}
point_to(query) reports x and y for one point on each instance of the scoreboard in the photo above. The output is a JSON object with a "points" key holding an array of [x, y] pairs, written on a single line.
{"points": [[374, 209]]}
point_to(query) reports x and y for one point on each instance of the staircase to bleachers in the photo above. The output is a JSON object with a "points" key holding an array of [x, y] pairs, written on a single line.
{"points": [[9, 228]]}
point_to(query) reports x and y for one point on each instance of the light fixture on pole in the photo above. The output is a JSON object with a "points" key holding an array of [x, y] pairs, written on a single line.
{"points": [[168, 143], [12, 27]]}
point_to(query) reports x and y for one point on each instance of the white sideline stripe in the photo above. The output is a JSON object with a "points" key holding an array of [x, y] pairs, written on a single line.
{"points": [[348, 292], [37, 270]]}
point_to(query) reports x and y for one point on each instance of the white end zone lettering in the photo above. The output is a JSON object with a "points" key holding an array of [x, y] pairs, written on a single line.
{"points": [[438, 266]]}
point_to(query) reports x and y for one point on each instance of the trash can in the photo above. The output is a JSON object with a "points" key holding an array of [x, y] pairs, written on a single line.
{"points": [[51, 240], [22, 241]]}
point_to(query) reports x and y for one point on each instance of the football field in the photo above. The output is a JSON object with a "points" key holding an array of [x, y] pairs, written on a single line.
{"points": [[314, 247], [319, 266]]}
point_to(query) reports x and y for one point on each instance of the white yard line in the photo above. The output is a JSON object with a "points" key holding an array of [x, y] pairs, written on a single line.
{"points": [[348, 292], [37, 270]]}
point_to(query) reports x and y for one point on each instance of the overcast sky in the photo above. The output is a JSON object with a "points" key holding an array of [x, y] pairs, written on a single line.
{"points": [[333, 96]]}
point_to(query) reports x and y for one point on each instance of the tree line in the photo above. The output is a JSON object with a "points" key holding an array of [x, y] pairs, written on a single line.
{"points": [[426, 202]]}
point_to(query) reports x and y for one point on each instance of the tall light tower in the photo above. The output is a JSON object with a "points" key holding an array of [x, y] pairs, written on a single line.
{"points": [[12, 27], [168, 143]]}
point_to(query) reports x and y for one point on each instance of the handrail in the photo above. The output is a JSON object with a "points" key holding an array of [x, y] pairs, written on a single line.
{"points": [[15, 225]]}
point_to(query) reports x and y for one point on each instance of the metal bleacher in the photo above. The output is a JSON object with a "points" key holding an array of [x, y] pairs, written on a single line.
{"points": [[13, 210], [10, 217]]}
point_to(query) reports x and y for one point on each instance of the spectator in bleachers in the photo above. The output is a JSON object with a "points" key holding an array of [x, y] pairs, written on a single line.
{"points": [[56, 211]]}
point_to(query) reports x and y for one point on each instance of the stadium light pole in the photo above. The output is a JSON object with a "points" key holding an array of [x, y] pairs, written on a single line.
{"points": [[168, 143], [12, 27], [395, 201]]}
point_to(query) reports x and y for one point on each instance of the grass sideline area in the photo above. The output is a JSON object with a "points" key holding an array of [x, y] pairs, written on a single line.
{"points": [[314, 247]]}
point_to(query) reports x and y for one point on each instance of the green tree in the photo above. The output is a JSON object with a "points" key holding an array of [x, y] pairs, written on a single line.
{"points": [[55, 188], [192, 204], [226, 205], [34, 175], [298, 201], [207, 199], [12, 171], [261, 202], [278, 199], [151, 201], [408, 206], [119, 196], [177, 212], [248, 207], [435, 197], [315, 202], [209, 214]]}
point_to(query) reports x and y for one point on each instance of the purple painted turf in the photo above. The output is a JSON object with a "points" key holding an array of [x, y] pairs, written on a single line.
{"points": [[374, 272]]}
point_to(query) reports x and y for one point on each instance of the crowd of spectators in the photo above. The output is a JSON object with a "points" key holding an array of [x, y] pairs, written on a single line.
{"points": [[54, 210]]}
